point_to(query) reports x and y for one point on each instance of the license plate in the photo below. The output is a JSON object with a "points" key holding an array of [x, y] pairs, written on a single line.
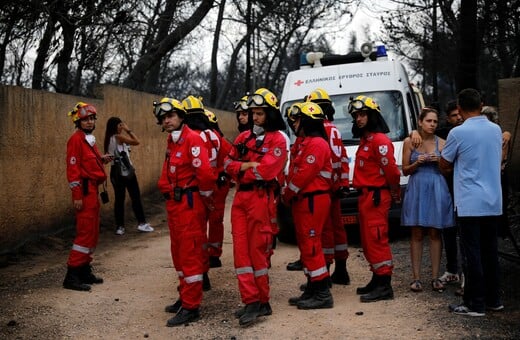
{"points": [[349, 219]]}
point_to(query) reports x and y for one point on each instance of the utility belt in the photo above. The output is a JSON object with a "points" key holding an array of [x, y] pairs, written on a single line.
{"points": [[84, 185], [310, 194], [376, 197], [178, 192], [310, 197], [257, 185]]}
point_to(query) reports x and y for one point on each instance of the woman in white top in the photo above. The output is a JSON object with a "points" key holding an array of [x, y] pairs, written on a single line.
{"points": [[118, 138]]}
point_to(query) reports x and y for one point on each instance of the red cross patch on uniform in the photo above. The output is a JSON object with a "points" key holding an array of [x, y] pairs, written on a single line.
{"points": [[311, 159], [172, 169], [384, 161], [72, 160], [196, 162], [277, 152]]}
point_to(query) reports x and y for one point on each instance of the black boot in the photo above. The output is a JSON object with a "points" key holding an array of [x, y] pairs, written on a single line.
{"points": [[206, 285], [307, 293], [184, 316], [383, 291], [329, 281], [321, 298], [252, 311], [369, 287], [73, 280], [175, 308], [87, 276], [265, 309], [295, 266], [340, 275]]}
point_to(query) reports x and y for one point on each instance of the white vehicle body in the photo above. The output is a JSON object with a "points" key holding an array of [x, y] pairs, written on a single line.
{"points": [[386, 81]]}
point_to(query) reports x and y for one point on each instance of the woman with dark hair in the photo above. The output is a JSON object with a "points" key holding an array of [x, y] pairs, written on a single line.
{"points": [[427, 205], [118, 138]]}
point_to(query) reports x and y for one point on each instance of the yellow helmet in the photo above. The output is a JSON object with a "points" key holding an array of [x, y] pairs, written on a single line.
{"points": [[262, 98], [167, 105], [319, 96], [82, 110], [361, 103], [211, 116], [312, 110], [293, 111], [241, 105], [193, 104]]}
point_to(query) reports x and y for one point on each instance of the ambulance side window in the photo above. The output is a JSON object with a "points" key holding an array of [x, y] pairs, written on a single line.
{"points": [[413, 110]]}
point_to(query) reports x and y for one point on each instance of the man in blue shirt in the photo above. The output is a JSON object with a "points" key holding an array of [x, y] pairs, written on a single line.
{"points": [[473, 152]]}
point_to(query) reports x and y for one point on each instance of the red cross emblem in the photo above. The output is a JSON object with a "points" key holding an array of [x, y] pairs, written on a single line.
{"points": [[298, 82]]}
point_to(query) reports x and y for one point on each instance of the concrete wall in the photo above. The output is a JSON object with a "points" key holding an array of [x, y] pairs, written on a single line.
{"points": [[34, 128], [509, 109]]}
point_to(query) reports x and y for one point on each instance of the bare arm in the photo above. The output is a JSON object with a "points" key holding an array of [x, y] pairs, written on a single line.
{"points": [[127, 136], [445, 166]]}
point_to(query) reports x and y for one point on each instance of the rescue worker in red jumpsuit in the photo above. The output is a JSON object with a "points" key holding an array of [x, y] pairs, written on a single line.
{"points": [[335, 245], [257, 158], [216, 216], [197, 120], [308, 191], [376, 176], [187, 181], [85, 172]]}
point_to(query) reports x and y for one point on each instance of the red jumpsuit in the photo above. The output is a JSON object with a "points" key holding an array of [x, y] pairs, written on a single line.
{"points": [[375, 171], [216, 216], [85, 171], [251, 211], [334, 239], [186, 178], [308, 186]]}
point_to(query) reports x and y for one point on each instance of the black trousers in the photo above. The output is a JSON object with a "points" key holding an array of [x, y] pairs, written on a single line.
{"points": [[121, 185]]}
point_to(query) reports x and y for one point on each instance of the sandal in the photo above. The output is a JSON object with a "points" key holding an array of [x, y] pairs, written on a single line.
{"points": [[416, 286], [437, 286]]}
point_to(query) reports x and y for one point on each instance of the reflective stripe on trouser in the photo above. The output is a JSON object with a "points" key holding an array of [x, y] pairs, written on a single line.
{"points": [[334, 238], [216, 221], [187, 245], [252, 238], [373, 222], [340, 234], [87, 229], [309, 227]]}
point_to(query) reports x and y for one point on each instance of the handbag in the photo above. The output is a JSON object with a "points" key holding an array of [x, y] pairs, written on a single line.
{"points": [[123, 166]]}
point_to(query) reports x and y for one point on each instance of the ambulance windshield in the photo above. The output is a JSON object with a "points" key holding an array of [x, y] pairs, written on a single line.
{"points": [[392, 109]]}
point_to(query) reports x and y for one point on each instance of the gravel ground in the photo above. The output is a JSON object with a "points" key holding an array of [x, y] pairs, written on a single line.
{"points": [[140, 281]]}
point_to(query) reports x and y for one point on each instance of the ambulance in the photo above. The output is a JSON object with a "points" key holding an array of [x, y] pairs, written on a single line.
{"points": [[368, 73]]}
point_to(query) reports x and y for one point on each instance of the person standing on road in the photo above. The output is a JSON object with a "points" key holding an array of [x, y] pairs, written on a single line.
{"points": [[187, 182], [473, 152], [427, 205], [118, 138], [449, 235], [216, 216], [85, 172], [255, 162], [308, 191], [377, 176], [335, 245]]}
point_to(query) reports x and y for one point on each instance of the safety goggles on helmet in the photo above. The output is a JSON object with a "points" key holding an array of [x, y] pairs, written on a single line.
{"points": [[241, 105], [167, 105], [361, 103], [262, 98], [294, 111]]}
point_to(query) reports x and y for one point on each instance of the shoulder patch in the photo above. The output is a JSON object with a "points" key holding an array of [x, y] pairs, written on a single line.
{"points": [[195, 151], [277, 152], [383, 149], [196, 162], [311, 159], [72, 160]]}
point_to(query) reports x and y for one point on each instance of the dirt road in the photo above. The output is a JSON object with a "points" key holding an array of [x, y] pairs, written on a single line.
{"points": [[140, 281]]}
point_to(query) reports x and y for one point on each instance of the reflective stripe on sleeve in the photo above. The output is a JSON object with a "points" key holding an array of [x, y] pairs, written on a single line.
{"points": [[293, 187], [74, 184], [325, 174]]}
